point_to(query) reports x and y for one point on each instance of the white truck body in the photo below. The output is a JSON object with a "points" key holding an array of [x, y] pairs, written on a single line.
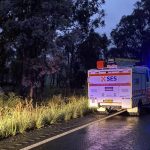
{"points": [[121, 88]]}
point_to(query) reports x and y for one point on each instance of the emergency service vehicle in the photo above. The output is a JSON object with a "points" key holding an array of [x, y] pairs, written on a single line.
{"points": [[114, 87]]}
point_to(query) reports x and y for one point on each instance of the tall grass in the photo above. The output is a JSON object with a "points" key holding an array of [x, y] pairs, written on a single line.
{"points": [[18, 116]]}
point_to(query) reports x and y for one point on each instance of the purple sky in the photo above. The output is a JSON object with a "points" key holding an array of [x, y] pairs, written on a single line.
{"points": [[114, 10]]}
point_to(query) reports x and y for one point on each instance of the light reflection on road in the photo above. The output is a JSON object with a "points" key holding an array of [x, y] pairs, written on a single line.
{"points": [[117, 133], [109, 133]]}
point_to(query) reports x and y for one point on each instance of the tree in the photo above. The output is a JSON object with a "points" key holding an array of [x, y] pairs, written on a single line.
{"points": [[37, 35], [87, 16], [132, 33], [91, 50], [29, 31]]}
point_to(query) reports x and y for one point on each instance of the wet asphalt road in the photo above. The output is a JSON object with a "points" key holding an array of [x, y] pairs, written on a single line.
{"points": [[117, 133]]}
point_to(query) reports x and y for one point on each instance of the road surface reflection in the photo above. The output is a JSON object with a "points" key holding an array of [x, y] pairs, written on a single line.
{"points": [[117, 133]]}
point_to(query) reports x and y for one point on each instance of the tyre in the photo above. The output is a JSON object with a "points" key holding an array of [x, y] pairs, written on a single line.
{"points": [[139, 111]]}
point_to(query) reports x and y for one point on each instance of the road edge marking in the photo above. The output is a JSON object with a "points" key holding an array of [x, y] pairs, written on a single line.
{"points": [[70, 131]]}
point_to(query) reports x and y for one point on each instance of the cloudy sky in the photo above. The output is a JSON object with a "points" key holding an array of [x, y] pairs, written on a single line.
{"points": [[114, 10]]}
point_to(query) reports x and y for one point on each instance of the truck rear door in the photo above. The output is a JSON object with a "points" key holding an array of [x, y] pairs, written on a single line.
{"points": [[111, 87]]}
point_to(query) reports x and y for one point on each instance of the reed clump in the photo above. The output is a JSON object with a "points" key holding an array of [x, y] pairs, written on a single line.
{"points": [[19, 116]]}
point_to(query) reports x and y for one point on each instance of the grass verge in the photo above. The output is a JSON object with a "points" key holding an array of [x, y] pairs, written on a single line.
{"points": [[18, 116]]}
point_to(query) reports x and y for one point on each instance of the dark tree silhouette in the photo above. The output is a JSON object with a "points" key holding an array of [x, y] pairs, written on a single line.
{"points": [[131, 35], [44, 37]]}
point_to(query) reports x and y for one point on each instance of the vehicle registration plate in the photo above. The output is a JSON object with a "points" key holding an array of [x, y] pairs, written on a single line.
{"points": [[108, 101]]}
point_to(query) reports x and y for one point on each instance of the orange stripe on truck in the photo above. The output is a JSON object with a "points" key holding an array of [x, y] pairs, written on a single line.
{"points": [[111, 84], [110, 74]]}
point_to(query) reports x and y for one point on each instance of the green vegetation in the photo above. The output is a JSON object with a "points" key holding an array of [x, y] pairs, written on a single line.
{"points": [[18, 116]]}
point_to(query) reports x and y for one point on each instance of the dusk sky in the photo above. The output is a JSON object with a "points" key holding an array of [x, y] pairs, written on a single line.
{"points": [[114, 10]]}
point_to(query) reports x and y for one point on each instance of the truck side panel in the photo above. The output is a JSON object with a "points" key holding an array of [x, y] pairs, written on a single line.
{"points": [[139, 88]]}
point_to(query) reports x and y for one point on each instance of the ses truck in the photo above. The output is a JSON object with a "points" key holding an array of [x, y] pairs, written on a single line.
{"points": [[119, 88]]}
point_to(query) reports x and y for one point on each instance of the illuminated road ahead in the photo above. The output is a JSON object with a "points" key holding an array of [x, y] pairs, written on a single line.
{"points": [[117, 133]]}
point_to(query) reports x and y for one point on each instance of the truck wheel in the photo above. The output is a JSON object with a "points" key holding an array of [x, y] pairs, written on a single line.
{"points": [[139, 110]]}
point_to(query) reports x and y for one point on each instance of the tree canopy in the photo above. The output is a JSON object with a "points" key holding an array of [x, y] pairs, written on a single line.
{"points": [[132, 34], [44, 37]]}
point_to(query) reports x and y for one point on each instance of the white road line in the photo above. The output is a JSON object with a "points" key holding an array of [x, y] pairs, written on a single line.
{"points": [[70, 131]]}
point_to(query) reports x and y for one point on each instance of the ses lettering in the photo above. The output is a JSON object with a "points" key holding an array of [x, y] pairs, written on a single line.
{"points": [[108, 78]]}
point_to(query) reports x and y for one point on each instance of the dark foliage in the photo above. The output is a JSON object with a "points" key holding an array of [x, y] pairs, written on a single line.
{"points": [[43, 38], [132, 35]]}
